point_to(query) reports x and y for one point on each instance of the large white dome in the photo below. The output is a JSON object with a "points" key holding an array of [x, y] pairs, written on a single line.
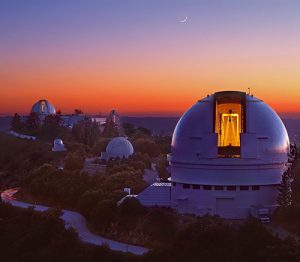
{"points": [[119, 147], [43, 107], [199, 150]]}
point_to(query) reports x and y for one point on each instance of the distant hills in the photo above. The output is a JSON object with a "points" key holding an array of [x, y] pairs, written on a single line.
{"points": [[158, 125], [166, 125]]}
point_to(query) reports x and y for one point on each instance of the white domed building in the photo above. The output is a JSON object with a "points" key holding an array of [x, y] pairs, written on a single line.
{"points": [[43, 107], [118, 147], [58, 146], [228, 154]]}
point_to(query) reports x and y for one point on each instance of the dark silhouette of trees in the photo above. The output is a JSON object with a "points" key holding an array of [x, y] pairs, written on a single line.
{"points": [[87, 132], [33, 121], [16, 123], [285, 191], [161, 167], [77, 111], [146, 145], [74, 161], [111, 129]]}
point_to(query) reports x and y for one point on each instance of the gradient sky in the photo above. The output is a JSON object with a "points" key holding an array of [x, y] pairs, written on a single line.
{"points": [[136, 55]]}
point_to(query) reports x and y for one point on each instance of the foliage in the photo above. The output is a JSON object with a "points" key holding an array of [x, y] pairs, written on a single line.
{"points": [[161, 167], [27, 235], [87, 132], [111, 129], [16, 123], [146, 145], [74, 161], [285, 192]]}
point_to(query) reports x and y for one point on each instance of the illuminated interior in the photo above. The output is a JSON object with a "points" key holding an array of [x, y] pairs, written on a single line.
{"points": [[229, 116], [43, 104]]}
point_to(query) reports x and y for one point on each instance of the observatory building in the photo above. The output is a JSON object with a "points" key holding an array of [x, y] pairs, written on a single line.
{"points": [[43, 108], [58, 146], [228, 154], [118, 147]]}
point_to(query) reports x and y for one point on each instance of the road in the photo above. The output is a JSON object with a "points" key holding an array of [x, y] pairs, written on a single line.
{"points": [[78, 223]]}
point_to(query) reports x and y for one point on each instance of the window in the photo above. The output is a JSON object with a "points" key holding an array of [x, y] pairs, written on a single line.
{"points": [[219, 187], [196, 186], [174, 183], [229, 122], [186, 186], [231, 188], [244, 188], [206, 187], [255, 188]]}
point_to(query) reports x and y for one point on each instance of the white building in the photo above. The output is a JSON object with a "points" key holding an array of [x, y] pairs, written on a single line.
{"points": [[118, 147], [58, 146], [229, 152]]}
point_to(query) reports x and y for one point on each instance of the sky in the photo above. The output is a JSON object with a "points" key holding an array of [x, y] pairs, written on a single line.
{"points": [[137, 57]]}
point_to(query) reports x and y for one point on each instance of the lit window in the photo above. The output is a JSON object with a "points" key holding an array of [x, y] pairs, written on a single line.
{"points": [[196, 186], [231, 188], [186, 186], [206, 187], [43, 104], [229, 122], [219, 187]]}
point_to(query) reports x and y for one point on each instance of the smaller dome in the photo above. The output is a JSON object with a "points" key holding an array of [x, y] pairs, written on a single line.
{"points": [[43, 107], [58, 145], [58, 141], [119, 147]]}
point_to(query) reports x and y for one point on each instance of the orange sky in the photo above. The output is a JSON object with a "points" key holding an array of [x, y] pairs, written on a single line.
{"points": [[145, 66]]}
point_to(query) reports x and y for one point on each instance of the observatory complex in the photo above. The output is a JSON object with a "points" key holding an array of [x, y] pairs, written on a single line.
{"points": [[228, 154]]}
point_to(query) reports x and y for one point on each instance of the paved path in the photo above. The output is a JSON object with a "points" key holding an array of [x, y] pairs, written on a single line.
{"points": [[78, 222], [281, 232]]}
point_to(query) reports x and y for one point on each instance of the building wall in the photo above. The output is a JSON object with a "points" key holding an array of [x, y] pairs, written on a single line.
{"points": [[185, 198]]}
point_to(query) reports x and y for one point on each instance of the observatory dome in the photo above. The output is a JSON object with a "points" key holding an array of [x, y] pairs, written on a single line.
{"points": [[227, 130], [119, 147], [228, 154], [58, 142], [58, 145], [43, 107]]}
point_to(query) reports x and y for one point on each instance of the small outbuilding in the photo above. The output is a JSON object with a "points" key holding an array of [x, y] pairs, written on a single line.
{"points": [[58, 146]]}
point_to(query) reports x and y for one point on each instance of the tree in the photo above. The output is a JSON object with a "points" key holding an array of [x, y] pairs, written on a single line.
{"points": [[111, 129], [144, 130], [161, 167], [74, 161], [87, 132], [77, 111], [33, 121], [16, 124], [129, 129], [285, 192], [146, 145]]}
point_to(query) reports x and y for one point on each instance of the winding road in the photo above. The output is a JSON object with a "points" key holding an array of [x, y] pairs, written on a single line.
{"points": [[78, 223]]}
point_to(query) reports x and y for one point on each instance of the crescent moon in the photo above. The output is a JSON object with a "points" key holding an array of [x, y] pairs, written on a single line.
{"points": [[184, 20]]}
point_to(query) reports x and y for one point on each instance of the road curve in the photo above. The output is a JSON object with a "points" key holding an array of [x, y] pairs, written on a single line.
{"points": [[78, 223]]}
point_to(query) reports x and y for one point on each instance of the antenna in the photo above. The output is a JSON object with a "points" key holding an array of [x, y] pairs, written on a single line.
{"points": [[249, 89]]}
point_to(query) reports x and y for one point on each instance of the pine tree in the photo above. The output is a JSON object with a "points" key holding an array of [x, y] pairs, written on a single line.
{"points": [[285, 192], [16, 123]]}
